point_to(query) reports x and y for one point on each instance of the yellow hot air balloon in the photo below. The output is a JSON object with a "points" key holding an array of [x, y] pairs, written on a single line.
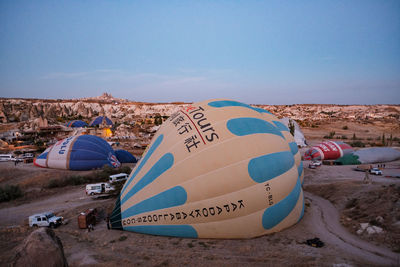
{"points": [[215, 169]]}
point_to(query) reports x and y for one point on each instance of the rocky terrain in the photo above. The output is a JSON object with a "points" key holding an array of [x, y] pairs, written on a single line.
{"points": [[58, 111], [124, 111]]}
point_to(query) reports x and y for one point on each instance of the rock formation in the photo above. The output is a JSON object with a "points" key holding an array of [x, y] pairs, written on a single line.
{"points": [[41, 248]]}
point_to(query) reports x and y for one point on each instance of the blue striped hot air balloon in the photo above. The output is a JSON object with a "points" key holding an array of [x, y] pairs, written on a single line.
{"points": [[215, 169], [76, 123], [99, 120], [124, 156], [84, 152]]}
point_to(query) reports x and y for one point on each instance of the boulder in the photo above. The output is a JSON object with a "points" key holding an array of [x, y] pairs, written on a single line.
{"points": [[374, 230], [364, 226], [41, 248]]}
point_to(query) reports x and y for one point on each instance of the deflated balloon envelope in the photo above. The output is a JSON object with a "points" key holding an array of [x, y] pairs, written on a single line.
{"points": [[215, 169], [76, 123], [84, 152], [124, 156], [328, 150]]}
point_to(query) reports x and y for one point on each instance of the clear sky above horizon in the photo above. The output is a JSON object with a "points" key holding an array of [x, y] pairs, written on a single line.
{"points": [[259, 52]]}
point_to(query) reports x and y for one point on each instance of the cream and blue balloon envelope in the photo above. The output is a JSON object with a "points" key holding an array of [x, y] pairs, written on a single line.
{"points": [[215, 169]]}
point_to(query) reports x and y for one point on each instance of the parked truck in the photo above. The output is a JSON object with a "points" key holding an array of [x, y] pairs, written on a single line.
{"points": [[47, 219]]}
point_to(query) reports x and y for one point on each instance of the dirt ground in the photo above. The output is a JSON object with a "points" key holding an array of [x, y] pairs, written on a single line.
{"points": [[365, 130], [337, 201]]}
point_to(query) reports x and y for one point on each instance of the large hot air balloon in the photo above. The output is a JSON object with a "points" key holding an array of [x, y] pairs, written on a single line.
{"points": [[328, 150], [76, 123], [84, 152], [215, 169], [124, 156]]}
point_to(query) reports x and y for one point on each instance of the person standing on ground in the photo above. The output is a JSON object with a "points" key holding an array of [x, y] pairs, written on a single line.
{"points": [[108, 222], [367, 179]]}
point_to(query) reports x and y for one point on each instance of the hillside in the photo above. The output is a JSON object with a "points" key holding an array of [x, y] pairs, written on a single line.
{"points": [[122, 110]]}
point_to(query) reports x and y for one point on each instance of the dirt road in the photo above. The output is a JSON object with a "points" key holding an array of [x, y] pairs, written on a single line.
{"points": [[69, 200], [325, 224]]}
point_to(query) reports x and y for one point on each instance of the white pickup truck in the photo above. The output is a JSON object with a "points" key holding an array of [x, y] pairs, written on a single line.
{"points": [[45, 219], [375, 171]]}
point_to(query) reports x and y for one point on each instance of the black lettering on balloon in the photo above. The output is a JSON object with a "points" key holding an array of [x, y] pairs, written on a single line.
{"points": [[211, 137], [205, 212], [241, 204], [212, 211], [202, 126], [234, 206], [200, 108], [219, 210], [198, 213], [198, 116]]}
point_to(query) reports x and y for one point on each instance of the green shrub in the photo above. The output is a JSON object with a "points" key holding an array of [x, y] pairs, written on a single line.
{"points": [[351, 203], [330, 136], [10, 192], [77, 180], [122, 238], [54, 183], [344, 137], [95, 177], [345, 127], [357, 144], [107, 169]]}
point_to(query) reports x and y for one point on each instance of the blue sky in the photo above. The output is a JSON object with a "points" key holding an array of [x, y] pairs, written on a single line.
{"points": [[258, 52]]}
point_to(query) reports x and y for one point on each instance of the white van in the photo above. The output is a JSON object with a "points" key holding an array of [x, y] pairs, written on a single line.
{"points": [[7, 157], [100, 188], [28, 156], [120, 177]]}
